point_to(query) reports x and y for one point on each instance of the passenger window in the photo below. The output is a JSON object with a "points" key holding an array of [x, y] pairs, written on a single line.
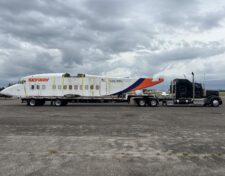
{"points": [[70, 87], [65, 87], [81, 87], [92, 87], [75, 87], [43, 86], [53, 86], [38, 87], [59, 87], [32, 87], [97, 87], [86, 87]]}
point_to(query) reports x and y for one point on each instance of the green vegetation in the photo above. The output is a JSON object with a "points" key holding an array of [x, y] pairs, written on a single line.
{"points": [[52, 151], [185, 154], [222, 93]]}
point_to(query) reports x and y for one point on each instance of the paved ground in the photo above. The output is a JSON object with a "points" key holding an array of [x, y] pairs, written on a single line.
{"points": [[111, 140]]}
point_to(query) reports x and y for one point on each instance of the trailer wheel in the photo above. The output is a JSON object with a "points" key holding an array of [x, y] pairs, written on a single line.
{"points": [[215, 103], [32, 102], [58, 102], [141, 102], [153, 102]]}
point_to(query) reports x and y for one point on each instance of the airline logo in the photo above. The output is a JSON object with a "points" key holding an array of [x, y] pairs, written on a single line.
{"points": [[38, 79]]}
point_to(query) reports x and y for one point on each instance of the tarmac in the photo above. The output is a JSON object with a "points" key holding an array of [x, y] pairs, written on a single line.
{"points": [[111, 140]]}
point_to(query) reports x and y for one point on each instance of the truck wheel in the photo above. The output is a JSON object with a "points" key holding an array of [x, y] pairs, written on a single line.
{"points": [[141, 102], [58, 102], [32, 102], [153, 103], [215, 103]]}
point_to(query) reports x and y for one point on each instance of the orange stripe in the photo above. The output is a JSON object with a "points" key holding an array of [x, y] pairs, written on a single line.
{"points": [[148, 83]]}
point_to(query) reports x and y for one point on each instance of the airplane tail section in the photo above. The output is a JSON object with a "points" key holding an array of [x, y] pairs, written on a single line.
{"points": [[148, 82], [141, 83]]}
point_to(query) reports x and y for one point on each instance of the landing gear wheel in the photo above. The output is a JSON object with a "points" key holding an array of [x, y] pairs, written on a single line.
{"points": [[215, 103], [32, 102], [141, 103], [153, 103]]}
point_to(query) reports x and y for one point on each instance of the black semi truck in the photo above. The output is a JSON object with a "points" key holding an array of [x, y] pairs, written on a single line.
{"points": [[185, 92]]}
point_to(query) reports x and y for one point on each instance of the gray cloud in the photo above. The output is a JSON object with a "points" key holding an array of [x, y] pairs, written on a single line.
{"points": [[101, 36], [186, 51]]}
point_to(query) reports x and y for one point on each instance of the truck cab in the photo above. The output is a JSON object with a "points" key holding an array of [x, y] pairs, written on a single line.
{"points": [[183, 91]]}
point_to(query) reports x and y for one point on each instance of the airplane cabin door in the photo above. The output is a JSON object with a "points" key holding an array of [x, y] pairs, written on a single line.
{"points": [[103, 87], [34, 89]]}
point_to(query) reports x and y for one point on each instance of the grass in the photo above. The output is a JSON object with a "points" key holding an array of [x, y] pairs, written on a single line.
{"points": [[52, 151], [222, 94]]}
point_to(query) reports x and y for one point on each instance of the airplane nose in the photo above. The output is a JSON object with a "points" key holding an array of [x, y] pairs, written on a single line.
{"points": [[3, 92], [11, 91], [6, 92]]}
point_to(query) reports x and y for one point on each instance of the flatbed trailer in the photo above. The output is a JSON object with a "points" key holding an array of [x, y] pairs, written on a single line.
{"points": [[139, 100]]}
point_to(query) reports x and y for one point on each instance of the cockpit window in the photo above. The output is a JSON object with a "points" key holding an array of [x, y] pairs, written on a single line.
{"points": [[22, 81], [66, 75], [80, 75]]}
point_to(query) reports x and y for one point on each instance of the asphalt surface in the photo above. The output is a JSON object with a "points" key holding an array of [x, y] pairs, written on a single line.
{"points": [[111, 140]]}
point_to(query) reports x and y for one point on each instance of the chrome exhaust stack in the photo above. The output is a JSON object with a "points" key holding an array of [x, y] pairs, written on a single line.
{"points": [[193, 84]]}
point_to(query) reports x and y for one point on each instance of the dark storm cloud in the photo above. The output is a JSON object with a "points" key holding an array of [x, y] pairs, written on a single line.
{"points": [[87, 35]]}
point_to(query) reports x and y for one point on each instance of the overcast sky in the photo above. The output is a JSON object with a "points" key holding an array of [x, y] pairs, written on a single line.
{"points": [[169, 38]]}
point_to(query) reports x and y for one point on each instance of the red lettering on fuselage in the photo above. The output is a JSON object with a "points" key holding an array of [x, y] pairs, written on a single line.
{"points": [[38, 79]]}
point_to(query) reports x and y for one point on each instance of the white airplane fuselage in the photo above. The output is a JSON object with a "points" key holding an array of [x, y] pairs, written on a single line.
{"points": [[61, 84]]}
